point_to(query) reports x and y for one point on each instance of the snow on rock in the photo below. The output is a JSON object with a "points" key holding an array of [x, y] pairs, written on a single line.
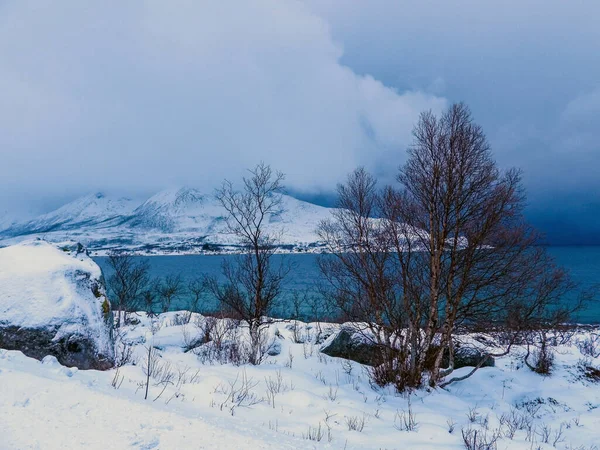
{"points": [[53, 302]]}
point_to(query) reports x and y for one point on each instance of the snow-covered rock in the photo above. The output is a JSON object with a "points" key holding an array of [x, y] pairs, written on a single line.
{"points": [[53, 302], [349, 343]]}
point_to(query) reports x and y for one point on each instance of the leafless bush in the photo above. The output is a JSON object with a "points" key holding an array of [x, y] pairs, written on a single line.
{"points": [[544, 431], [182, 375], [331, 394], [290, 362], [314, 433], [347, 366], [531, 408], [451, 425], [168, 290], [406, 420], [127, 283], [190, 340], [159, 371], [123, 351], [558, 435], [239, 393], [307, 348], [219, 340], [356, 423], [196, 288], [480, 439], [275, 386], [590, 346], [296, 327], [513, 421], [588, 371], [473, 415], [543, 357]]}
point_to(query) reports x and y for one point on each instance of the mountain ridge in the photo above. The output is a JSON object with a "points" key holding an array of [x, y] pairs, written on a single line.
{"points": [[178, 220]]}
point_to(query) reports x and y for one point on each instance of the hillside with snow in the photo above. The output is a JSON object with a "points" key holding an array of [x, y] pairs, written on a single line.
{"points": [[299, 398], [183, 220]]}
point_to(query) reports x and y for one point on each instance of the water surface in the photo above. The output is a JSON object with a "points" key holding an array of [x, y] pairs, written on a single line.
{"points": [[582, 262]]}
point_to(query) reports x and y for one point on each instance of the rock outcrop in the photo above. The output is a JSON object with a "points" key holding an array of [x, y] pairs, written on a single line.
{"points": [[347, 343], [53, 302]]}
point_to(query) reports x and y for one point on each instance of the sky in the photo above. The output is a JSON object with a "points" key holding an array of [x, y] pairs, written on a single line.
{"points": [[133, 97]]}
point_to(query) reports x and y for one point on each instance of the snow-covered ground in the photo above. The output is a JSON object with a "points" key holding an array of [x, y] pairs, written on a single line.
{"points": [[312, 396]]}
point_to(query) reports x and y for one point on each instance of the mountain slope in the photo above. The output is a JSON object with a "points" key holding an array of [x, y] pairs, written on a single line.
{"points": [[91, 210], [173, 220]]}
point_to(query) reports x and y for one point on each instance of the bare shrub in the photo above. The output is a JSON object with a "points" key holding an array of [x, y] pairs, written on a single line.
{"points": [[588, 371], [156, 369], [356, 423], [451, 425], [514, 421], [127, 283], [314, 433], [196, 288], [123, 351], [275, 386], [480, 439], [406, 420], [590, 346], [531, 408], [239, 393], [190, 339], [168, 290], [473, 415], [331, 394], [542, 355]]}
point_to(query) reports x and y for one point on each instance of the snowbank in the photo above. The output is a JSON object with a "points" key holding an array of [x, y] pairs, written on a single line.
{"points": [[53, 302], [300, 398]]}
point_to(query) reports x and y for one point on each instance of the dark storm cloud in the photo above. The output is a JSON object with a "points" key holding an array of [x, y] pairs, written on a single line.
{"points": [[141, 96], [530, 71]]}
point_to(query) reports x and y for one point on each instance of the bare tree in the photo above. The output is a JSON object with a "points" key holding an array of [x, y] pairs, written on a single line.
{"points": [[168, 290], [361, 272], [150, 297], [253, 281], [447, 251], [196, 288], [127, 283]]}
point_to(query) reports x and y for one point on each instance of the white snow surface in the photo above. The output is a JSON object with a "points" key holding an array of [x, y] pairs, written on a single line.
{"points": [[177, 220], [42, 286], [48, 406]]}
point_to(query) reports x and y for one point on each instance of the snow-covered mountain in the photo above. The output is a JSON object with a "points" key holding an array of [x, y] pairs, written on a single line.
{"points": [[95, 210], [181, 220]]}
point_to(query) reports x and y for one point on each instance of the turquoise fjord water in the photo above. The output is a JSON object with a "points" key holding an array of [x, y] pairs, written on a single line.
{"points": [[582, 262]]}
